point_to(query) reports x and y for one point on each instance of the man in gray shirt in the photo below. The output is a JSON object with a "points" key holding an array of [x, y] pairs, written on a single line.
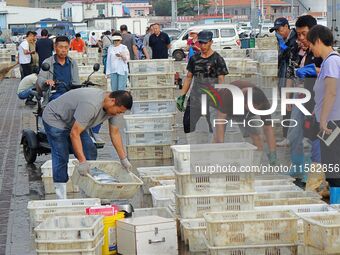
{"points": [[129, 41], [66, 120]]}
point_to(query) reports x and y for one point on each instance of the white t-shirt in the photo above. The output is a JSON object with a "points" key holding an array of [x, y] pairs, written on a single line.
{"points": [[93, 40], [116, 64], [23, 58]]}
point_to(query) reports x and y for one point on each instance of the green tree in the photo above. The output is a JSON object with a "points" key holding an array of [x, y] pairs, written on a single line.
{"points": [[162, 7], [189, 7]]}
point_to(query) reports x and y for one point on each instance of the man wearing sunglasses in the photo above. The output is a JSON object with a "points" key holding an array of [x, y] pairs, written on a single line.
{"points": [[205, 69]]}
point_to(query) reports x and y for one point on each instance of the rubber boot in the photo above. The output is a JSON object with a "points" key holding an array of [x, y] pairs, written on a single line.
{"points": [[297, 169], [334, 193], [60, 190]]}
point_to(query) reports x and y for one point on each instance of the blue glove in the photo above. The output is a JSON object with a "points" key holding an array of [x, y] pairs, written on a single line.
{"points": [[307, 71], [282, 44], [272, 158]]}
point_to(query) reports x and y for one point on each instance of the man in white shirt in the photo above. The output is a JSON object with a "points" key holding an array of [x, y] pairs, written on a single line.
{"points": [[25, 57], [93, 40], [26, 85]]}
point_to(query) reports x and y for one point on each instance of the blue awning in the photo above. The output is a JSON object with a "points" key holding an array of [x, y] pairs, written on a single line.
{"points": [[126, 10]]}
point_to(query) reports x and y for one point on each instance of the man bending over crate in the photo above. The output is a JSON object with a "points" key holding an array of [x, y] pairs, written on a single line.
{"points": [[66, 120]]}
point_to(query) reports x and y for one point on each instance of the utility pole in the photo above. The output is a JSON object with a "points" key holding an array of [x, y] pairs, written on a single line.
{"points": [[222, 3], [292, 10], [254, 16], [198, 7], [173, 13]]}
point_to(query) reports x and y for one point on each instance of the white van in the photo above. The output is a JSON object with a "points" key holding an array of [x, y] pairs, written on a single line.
{"points": [[224, 37]]}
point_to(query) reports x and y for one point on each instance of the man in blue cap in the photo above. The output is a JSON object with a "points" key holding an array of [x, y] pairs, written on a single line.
{"points": [[288, 60], [207, 68]]}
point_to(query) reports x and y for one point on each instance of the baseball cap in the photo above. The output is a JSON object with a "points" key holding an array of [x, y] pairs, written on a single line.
{"points": [[279, 22], [205, 36]]}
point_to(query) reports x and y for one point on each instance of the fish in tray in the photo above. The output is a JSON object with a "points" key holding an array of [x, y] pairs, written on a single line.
{"points": [[101, 176]]}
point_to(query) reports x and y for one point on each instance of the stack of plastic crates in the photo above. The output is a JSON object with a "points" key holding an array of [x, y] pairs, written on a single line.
{"points": [[200, 190], [97, 78], [252, 232], [70, 235], [149, 129]]}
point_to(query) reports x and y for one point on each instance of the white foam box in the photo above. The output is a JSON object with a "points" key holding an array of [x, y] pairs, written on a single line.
{"points": [[47, 177], [147, 235]]}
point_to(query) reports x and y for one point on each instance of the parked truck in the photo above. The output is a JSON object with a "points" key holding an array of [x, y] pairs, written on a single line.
{"points": [[333, 21]]}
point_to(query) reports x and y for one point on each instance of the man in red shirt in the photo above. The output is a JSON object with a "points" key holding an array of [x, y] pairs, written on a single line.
{"points": [[78, 44]]}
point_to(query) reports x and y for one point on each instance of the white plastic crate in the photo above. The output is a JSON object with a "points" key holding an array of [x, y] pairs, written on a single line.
{"points": [[151, 66], [153, 93], [286, 194], [154, 107], [254, 250], [86, 70], [189, 157], [323, 232], [268, 69], [151, 176], [40, 210], [83, 227], [251, 67], [202, 184], [265, 56], [150, 137], [97, 78], [189, 207], [308, 250], [141, 122], [194, 234], [236, 65], [47, 177], [273, 182], [159, 151], [288, 201], [156, 211], [303, 209], [233, 53], [278, 188], [268, 82], [94, 251], [163, 196], [152, 80], [165, 182], [70, 244], [266, 43], [251, 228], [126, 187]]}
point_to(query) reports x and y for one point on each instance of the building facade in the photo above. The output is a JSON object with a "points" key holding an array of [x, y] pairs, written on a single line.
{"points": [[138, 7]]}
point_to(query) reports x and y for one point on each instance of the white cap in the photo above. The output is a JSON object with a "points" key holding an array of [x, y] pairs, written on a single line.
{"points": [[117, 38], [195, 30]]}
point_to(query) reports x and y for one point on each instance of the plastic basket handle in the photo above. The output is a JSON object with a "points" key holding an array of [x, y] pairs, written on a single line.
{"points": [[157, 241]]}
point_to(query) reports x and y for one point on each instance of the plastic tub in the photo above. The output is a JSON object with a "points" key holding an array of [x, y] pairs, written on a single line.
{"points": [[268, 69], [322, 232], [190, 157], [254, 250], [148, 122], [47, 177], [286, 194], [194, 234], [151, 176], [153, 151], [151, 66], [163, 196], [150, 137], [153, 93], [94, 251], [277, 188], [201, 184], [251, 228], [154, 211], [126, 187], [70, 228], [152, 80], [40, 210], [189, 207], [288, 201], [154, 107]]}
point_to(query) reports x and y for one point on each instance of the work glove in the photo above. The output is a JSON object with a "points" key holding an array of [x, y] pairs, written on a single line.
{"points": [[282, 44], [126, 164], [180, 103], [307, 71], [83, 168], [272, 158]]}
